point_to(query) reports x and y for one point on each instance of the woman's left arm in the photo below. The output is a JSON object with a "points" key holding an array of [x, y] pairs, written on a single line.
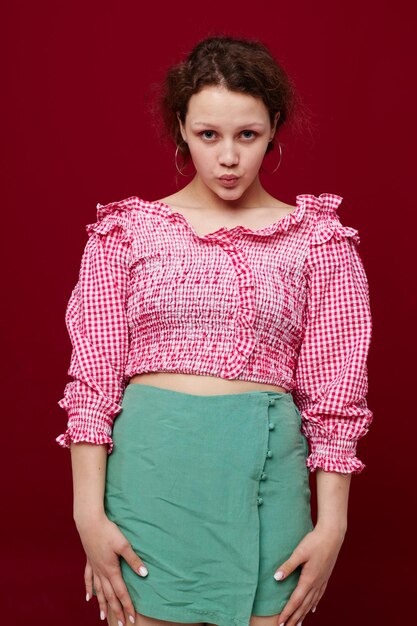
{"points": [[318, 551], [330, 392], [332, 501]]}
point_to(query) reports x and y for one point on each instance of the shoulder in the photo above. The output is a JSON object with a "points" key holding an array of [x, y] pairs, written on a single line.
{"points": [[327, 224], [332, 244], [118, 217]]}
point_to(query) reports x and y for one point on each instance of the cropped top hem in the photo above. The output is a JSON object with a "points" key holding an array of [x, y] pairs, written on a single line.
{"points": [[212, 359]]}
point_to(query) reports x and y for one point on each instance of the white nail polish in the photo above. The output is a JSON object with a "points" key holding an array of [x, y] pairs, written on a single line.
{"points": [[87, 597], [102, 616], [132, 619], [119, 623], [282, 624], [299, 623], [278, 576], [143, 571]]}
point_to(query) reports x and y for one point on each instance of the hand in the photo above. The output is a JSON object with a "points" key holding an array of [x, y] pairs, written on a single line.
{"points": [[103, 542], [317, 553]]}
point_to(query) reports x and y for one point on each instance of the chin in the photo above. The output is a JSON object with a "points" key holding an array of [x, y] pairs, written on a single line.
{"points": [[230, 194]]}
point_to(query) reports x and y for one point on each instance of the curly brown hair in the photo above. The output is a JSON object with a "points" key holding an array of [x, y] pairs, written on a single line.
{"points": [[240, 65]]}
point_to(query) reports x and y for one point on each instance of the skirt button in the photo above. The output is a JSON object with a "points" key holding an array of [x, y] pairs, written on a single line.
{"points": [[260, 500], [263, 476], [269, 454], [272, 401], [271, 426]]}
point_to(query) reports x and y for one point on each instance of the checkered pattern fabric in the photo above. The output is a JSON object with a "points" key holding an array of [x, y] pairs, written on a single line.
{"points": [[287, 304]]}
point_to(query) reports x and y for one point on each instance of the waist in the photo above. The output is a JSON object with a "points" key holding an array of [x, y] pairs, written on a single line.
{"points": [[203, 385]]}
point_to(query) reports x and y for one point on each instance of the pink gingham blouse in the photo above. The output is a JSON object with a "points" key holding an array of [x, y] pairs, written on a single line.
{"points": [[287, 304]]}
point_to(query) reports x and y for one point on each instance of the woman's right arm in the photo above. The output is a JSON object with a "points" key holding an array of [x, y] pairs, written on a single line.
{"points": [[88, 476], [102, 540], [97, 323]]}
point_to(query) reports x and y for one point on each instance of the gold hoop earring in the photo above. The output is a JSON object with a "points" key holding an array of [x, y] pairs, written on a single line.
{"points": [[179, 169], [279, 163]]}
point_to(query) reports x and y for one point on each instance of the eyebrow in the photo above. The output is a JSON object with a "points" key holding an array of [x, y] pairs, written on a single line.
{"points": [[205, 124]]}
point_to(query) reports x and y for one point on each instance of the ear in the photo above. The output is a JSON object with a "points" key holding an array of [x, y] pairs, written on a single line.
{"points": [[274, 127], [182, 129]]}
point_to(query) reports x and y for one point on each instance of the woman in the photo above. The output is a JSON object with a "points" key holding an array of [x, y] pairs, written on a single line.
{"points": [[220, 339]]}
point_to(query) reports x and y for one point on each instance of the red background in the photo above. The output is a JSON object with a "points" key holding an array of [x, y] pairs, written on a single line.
{"points": [[76, 131]]}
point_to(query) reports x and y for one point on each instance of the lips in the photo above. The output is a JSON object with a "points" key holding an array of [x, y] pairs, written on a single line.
{"points": [[229, 181]]}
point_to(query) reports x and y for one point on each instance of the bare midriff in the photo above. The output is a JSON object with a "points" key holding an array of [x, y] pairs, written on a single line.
{"points": [[200, 385]]}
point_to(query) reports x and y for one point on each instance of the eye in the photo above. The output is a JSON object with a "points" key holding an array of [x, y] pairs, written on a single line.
{"points": [[207, 134], [248, 134]]}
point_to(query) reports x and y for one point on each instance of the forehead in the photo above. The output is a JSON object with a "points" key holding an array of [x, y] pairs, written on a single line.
{"points": [[215, 103]]}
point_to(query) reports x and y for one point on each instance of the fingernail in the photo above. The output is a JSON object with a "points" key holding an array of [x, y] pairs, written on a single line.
{"points": [[132, 619], [282, 624], [278, 576], [299, 623], [102, 616], [313, 610], [87, 597], [119, 623], [143, 571]]}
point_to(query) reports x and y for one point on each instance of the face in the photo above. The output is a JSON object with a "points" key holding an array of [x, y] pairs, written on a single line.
{"points": [[227, 133]]}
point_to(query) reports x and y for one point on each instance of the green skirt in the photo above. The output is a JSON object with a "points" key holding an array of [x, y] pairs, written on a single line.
{"points": [[212, 492]]}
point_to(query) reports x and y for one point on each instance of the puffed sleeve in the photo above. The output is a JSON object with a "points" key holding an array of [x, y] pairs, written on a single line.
{"points": [[331, 378], [97, 324]]}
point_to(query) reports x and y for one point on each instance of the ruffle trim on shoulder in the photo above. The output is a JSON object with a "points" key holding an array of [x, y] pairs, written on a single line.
{"points": [[328, 228], [328, 223], [112, 215], [326, 202]]}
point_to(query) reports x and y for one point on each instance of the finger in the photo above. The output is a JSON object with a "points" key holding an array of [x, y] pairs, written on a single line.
{"points": [[315, 601], [113, 601], [133, 560], [299, 614], [319, 596], [288, 566], [88, 581], [321, 592], [295, 601], [102, 603], [124, 598]]}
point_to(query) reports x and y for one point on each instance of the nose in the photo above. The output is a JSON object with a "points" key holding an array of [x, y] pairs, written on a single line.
{"points": [[228, 154]]}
